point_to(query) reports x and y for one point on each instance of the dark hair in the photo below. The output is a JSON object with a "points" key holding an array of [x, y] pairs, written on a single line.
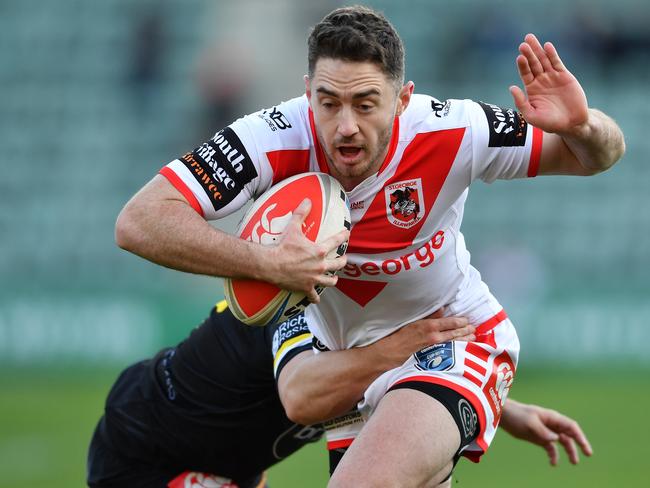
{"points": [[357, 34]]}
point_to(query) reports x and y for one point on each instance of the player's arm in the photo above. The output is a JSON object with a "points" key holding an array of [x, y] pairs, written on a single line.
{"points": [[545, 427], [160, 225], [577, 140], [317, 387]]}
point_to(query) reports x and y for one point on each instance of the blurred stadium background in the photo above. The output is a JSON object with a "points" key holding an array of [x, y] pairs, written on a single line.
{"points": [[97, 96]]}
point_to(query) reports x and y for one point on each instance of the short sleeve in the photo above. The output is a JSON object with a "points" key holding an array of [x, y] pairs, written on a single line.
{"points": [[289, 339], [243, 160], [504, 145]]}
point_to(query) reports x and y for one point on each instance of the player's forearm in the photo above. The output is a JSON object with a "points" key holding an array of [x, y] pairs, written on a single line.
{"points": [[170, 233], [318, 387], [598, 143]]}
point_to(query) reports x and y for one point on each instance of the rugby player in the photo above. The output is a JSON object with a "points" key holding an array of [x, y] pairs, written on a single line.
{"points": [[362, 123], [207, 411]]}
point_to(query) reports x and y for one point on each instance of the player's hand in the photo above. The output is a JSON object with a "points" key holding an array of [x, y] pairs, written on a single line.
{"points": [[434, 329], [553, 100], [298, 264], [545, 427]]}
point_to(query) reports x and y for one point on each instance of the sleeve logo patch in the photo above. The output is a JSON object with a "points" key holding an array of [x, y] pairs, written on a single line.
{"points": [[222, 166], [289, 329], [506, 126]]}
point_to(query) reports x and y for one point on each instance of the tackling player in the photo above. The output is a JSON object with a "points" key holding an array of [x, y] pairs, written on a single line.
{"points": [[406, 161], [208, 410]]}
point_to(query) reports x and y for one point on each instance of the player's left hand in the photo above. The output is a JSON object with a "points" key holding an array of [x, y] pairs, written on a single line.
{"points": [[554, 101], [545, 427]]}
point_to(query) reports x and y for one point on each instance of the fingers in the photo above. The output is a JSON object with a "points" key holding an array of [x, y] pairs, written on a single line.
{"points": [[313, 296], [448, 329], [572, 430], [332, 265], [584, 444], [535, 55], [333, 242], [551, 450], [302, 210], [570, 435], [570, 448], [535, 59], [463, 334], [446, 323], [525, 73], [327, 279], [554, 57], [520, 100]]}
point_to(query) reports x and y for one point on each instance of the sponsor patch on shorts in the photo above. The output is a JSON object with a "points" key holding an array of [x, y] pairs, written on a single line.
{"points": [[439, 357]]}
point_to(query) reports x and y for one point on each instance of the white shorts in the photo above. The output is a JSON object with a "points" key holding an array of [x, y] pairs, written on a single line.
{"points": [[481, 371]]}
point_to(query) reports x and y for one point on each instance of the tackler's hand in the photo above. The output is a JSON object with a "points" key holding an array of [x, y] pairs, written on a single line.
{"points": [[545, 427]]}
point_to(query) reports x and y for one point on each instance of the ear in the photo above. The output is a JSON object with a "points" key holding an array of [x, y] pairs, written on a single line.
{"points": [[404, 98], [307, 87]]}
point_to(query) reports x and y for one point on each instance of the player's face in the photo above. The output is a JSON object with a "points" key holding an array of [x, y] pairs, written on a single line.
{"points": [[354, 105]]}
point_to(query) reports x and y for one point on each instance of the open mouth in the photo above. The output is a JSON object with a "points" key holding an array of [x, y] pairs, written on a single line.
{"points": [[349, 152]]}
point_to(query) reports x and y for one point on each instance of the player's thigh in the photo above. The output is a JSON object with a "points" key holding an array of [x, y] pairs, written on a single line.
{"points": [[410, 440]]}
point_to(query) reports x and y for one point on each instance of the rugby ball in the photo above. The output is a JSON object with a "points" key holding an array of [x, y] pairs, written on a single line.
{"points": [[260, 303]]}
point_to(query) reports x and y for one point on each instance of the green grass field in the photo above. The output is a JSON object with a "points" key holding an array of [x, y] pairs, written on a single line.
{"points": [[46, 420]]}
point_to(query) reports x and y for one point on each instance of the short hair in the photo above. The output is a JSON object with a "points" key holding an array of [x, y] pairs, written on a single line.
{"points": [[358, 34]]}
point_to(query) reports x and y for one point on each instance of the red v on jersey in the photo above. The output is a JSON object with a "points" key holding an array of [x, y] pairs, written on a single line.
{"points": [[374, 233], [361, 291]]}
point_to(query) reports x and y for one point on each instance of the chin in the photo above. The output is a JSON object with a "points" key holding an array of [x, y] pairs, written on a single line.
{"points": [[356, 169]]}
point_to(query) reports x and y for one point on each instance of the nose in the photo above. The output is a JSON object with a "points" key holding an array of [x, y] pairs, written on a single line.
{"points": [[347, 122]]}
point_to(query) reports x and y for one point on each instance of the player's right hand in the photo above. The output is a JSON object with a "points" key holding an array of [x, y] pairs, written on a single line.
{"points": [[298, 264]]}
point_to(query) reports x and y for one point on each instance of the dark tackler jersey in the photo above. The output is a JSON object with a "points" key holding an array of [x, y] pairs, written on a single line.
{"points": [[211, 403]]}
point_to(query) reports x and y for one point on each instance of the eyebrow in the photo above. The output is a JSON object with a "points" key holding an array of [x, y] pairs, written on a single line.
{"points": [[356, 96]]}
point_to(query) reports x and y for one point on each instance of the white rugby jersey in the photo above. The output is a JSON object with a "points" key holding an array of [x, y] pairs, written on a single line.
{"points": [[406, 254]]}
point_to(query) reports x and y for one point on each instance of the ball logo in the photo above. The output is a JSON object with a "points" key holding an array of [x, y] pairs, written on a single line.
{"points": [[270, 220], [269, 228], [259, 302], [404, 201]]}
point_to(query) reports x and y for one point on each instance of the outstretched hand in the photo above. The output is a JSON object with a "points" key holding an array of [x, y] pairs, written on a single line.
{"points": [[553, 100], [545, 427], [299, 264]]}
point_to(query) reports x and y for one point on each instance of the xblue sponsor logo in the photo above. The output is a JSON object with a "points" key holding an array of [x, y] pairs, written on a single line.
{"points": [[439, 357]]}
